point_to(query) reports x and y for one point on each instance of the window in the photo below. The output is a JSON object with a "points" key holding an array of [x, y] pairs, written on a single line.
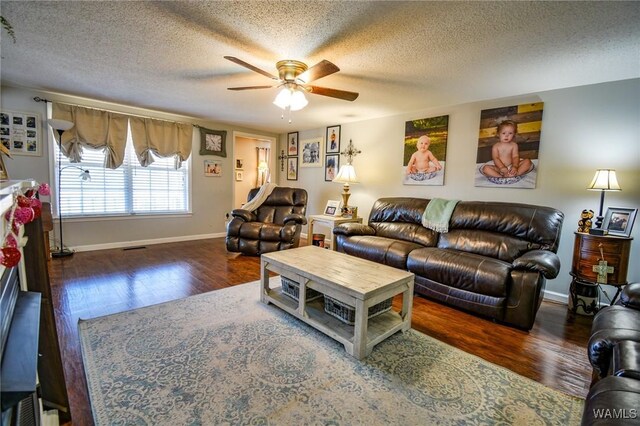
{"points": [[129, 190]]}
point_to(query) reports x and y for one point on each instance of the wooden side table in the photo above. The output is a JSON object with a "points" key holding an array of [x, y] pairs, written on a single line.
{"points": [[597, 260], [330, 222]]}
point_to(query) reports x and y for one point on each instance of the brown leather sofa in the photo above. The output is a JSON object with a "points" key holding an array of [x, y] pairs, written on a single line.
{"points": [[614, 353], [493, 261], [275, 225]]}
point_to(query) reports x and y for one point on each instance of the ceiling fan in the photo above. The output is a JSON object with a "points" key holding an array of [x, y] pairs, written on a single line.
{"points": [[294, 77]]}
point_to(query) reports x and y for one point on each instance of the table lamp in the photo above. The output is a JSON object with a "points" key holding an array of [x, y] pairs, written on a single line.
{"points": [[346, 176], [604, 180]]}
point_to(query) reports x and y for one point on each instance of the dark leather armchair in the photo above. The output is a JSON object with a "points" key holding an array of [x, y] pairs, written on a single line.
{"points": [[275, 225]]}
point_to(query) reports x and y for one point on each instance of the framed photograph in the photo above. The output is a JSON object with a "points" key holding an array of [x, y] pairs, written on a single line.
{"points": [[331, 165], [425, 150], [239, 175], [20, 133], [212, 168], [332, 208], [333, 139], [292, 144], [311, 152], [239, 163], [506, 133], [213, 142], [292, 168], [619, 221]]}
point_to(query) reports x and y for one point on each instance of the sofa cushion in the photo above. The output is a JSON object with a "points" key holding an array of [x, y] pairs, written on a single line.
{"points": [[486, 243], [466, 271], [387, 251]]}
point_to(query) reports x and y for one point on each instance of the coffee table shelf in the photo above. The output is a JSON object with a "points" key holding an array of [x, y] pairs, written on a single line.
{"points": [[354, 281]]}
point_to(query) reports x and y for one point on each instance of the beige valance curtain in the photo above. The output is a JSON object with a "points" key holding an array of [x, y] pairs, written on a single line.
{"points": [[163, 138], [95, 129]]}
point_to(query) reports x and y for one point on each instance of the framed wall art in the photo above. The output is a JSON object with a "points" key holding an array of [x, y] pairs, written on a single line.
{"points": [[239, 175], [20, 132], [331, 165], [212, 168], [425, 150], [292, 144], [619, 221], [213, 142], [507, 133], [239, 163], [311, 152], [292, 168], [333, 140]]}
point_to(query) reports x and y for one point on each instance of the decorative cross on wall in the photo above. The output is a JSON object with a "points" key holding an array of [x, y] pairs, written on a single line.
{"points": [[602, 269], [350, 152], [282, 157]]}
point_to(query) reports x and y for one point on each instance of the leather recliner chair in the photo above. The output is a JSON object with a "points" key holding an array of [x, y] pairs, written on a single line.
{"points": [[275, 225]]}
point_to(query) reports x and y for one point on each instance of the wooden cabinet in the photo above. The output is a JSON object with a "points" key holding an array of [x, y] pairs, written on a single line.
{"points": [[590, 252], [53, 389]]}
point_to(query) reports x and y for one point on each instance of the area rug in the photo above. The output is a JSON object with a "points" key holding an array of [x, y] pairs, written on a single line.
{"points": [[223, 357]]}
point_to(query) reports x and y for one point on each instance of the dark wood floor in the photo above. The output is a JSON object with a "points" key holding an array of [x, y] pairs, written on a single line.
{"points": [[92, 284]]}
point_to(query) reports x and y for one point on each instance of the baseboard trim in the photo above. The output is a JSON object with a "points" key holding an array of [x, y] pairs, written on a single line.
{"points": [[555, 297], [125, 244]]}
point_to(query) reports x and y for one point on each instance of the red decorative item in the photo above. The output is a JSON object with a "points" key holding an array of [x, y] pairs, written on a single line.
{"points": [[29, 193], [44, 189], [23, 215], [23, 201], [11, 257], [11, 241]]}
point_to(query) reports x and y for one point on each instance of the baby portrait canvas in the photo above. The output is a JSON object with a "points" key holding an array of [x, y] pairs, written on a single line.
{"points": [[508, 146], [425, 149]]}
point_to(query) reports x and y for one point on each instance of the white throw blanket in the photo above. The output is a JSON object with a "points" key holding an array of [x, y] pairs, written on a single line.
{"points": [[263, 193]]}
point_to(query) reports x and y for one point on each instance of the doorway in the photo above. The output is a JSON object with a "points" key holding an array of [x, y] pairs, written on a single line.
{"points": [[254, 160]]}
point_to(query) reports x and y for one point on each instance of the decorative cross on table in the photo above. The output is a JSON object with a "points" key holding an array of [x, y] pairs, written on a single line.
{"points": [[602, 269]]}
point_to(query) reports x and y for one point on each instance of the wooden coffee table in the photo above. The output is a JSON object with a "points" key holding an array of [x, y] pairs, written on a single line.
{"points": [[348, 279]]}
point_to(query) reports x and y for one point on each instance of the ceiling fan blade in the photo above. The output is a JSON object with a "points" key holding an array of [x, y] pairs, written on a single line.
{"points": [[249, 87], [319, 70], [251, 67], [334, 93]]}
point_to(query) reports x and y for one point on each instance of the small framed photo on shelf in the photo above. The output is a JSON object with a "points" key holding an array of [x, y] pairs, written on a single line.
{"points": [[332, 208], [292, 168], [212, 168], [619, 221], [292, 144], [333, 140], [213, 142], [239, 175]]}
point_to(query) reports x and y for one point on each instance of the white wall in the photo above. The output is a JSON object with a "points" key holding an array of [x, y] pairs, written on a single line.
{"points": [[584, 128], [212, 196]]}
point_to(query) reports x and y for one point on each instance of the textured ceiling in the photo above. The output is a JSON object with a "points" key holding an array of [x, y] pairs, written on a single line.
{"points": [[400, 56]]}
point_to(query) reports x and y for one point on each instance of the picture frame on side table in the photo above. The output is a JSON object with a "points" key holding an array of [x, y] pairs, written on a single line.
{"points": [[332, 208], [292, 168], [619, 221], [292, 144], [213, 142], [350, 212], [333, 140]]}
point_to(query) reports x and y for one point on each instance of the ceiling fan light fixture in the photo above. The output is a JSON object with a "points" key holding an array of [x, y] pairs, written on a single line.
{"points": [[283, 99], [291, 98], [298, 101]]}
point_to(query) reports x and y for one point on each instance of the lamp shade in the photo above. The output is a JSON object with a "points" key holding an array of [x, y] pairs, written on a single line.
{"points": [[604, 180], [57, 124], [291, 98], [347, 174], [283, 98]]}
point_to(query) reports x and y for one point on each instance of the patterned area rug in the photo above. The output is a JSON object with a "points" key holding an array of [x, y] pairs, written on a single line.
{"points": [[225, 358]]}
